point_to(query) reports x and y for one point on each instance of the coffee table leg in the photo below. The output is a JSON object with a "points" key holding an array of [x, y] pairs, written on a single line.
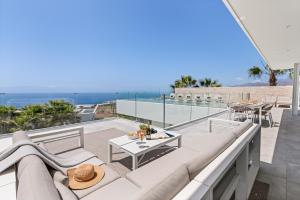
{"points": [[109, 153], [134, 162], [260, 111], [179, 142]]}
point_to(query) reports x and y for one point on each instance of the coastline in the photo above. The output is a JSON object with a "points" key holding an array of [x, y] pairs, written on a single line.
{"points": [[20, 100]]}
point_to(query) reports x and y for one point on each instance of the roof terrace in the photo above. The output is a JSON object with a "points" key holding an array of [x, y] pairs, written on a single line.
{"points": [[211, 157], [217, 158]]}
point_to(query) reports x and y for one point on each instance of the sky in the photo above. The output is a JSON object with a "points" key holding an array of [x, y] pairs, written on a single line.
{"points": [[119, 45]]}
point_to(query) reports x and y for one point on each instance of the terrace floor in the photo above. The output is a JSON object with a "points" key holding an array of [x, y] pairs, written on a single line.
{"points": [[280, 156]]}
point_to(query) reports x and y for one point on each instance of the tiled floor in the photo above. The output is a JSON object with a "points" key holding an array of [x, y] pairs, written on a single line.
{"points": [[280, 156]]}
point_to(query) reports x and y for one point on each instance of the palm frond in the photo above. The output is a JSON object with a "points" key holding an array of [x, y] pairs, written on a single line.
{"points": [[255, 72]]}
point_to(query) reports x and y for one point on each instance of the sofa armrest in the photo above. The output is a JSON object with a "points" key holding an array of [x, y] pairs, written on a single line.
{"points": [[229, 122], [61, 134]]}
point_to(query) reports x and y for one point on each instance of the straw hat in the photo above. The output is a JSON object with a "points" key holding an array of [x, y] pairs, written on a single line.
{"points": [[85, 176]]}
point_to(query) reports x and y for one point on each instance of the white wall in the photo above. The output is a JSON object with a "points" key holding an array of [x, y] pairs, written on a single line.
{"points": [[234, 94], [154, 111]]}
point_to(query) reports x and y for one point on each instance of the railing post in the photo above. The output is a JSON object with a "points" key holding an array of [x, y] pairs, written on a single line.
{"points": [[295, 102], [135, 107], [210, 125], [81, 132], [191, 109], [164, 110]]}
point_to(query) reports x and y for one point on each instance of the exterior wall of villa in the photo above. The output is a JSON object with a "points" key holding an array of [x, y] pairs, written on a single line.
{"points": [[239, 93]]}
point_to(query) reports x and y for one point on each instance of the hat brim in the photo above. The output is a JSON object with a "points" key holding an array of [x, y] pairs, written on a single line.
{"points": [[76, 185]]}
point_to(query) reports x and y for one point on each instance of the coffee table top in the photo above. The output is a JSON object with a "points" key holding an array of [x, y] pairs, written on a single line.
{"points": [[137, 147]]}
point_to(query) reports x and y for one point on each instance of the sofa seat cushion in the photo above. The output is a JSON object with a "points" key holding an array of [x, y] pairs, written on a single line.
{"points": [[164, 177], [162, 167], [63, 145], [209, 146], [34, 180], [71, 153], [168, 187], [110, 176], [62, 178], [118, 189], [68, 154]]}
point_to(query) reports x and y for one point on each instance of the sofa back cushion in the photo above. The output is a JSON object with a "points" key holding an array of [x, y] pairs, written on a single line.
{"points": [[34, 180], [64, 192], [20, 135], [208, 146]]}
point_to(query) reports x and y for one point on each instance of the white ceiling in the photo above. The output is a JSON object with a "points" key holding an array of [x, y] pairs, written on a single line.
{"points": [[273, 26]]}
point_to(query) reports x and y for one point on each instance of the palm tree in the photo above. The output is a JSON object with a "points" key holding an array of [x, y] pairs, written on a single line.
{"points": [[186, 81], [257, 72], [208, 82]]}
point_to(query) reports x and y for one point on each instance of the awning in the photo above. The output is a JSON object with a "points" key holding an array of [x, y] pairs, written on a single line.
{"points": [[273, 26]]}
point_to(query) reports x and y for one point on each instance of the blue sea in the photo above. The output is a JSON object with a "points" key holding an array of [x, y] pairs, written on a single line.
{"points": [[20, 100]]}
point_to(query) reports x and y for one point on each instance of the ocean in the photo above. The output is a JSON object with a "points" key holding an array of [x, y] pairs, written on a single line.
{"points": [[20, 100]]}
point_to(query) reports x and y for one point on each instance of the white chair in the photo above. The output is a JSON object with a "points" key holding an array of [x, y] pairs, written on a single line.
{"points": [[188, 98], [197, 98], [172, 96]]}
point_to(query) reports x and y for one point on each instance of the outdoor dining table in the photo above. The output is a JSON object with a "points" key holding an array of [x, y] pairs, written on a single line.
{"points": [[257, 106]]}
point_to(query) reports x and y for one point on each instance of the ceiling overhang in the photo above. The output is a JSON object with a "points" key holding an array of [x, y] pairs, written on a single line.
{"points": [[273, 26]]}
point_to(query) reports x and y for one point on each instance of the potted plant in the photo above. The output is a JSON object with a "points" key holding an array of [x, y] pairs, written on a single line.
{"points": [[145, 128]]}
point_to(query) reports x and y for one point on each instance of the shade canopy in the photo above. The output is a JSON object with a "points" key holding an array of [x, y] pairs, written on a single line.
{"points": [[273, 26]]}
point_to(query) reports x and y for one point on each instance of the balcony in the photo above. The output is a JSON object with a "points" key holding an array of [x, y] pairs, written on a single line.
{"points": [[233, 159]]}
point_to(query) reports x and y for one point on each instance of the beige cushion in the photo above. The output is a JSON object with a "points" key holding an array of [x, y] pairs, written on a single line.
{"points": [[120, 189], [168, 187], [63, 145], [20, 135], [71, 153], [164, 177], [209, 146], [242, 128], [205, 141], [64, 192], [68, 154], [162, 167], [34, 180], [110, 174]]}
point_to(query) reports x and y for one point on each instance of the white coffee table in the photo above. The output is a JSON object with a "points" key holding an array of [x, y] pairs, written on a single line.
{"points": [[134, 149]]}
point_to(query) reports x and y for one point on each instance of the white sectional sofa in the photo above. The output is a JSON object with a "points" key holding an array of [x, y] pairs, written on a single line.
{"points": [[174, 175]]}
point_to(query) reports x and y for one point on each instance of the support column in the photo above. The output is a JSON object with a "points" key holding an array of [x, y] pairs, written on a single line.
{"points": [[295, 102]]}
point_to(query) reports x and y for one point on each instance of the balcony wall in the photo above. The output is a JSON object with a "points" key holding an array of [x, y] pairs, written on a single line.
{"points": [[238, 93]]}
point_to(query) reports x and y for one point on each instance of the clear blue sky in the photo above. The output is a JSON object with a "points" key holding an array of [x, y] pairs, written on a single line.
{"points": [[118, 45]]}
